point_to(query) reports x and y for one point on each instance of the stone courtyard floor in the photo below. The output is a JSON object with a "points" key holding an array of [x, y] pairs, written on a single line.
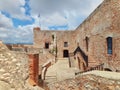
{"points": [[60, 71]]}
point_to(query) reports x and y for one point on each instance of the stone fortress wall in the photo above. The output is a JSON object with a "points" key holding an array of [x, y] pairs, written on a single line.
{"points": [[91, 36]]}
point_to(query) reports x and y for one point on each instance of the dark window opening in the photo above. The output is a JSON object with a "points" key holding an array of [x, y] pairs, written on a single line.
{"points": [[87, 42], [109, 45], [65, 53], [46, 45], [65, 44]]}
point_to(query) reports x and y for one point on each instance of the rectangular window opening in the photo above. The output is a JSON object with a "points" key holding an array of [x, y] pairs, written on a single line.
{"points": [[109, 45], [65, 44], [46, 45], [87, 43]]}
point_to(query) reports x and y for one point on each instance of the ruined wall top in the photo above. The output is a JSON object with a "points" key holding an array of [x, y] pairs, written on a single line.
{"points": [[37, 28]]}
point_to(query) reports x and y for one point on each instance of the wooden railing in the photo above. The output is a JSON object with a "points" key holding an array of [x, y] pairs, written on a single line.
{"points": [[98, 67]]}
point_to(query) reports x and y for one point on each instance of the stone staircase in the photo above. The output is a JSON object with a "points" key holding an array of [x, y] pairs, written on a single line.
{"points": [[49, 79], [59, 71], [62, 58]]}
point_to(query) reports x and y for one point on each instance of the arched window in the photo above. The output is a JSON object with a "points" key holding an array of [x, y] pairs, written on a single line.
{"points": [[109, 45], [87, 42]]}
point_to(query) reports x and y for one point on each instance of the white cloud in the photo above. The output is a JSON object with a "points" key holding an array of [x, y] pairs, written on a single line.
{"points": [[54, 19], [10, 34], [21, 35], [5, 22], [25, 34], [3, 35], [51, 6], [54, 12], [22, 2], [14, 8]]}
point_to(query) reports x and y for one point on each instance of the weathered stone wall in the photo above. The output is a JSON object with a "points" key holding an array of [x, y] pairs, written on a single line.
{"points": [[13, 70], [40, 37], [102, 23]]}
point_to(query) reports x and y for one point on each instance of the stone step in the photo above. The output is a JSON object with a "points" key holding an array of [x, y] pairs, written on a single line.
{"points": [[50, 79], [62, 58]]}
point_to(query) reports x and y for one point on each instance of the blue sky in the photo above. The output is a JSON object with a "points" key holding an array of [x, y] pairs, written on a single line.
{"points": [[19, 17]]}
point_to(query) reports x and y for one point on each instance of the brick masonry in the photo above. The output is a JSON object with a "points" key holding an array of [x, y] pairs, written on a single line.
{"points": [[102, 23]]}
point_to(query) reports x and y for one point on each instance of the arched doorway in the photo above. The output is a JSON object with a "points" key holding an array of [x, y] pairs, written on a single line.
{"points": [[65, 53]]}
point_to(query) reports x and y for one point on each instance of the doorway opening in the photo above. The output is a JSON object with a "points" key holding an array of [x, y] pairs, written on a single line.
{"points": [[65, 53], [46, 45]]}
